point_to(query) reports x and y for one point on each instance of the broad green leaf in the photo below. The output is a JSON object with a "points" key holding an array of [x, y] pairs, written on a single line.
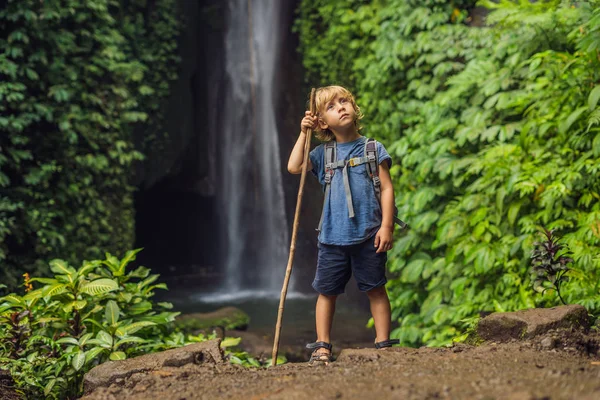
{"points": [[129, 339], [571, 119], [60, 267], [134, 327], [105, 338], [111, 312], [163, 317], [230, 342], [34, 294], [78, 361], [513, 211], [413, 270], [161, 285], [147, 281], [94, 322], [117, 355], [140, 272], [13, 300], [139, 308], [88, 266], [53, 290], [69, 340], [48, 281], [49, 386], [77, 304], [99, 286], [593, 98], [124, 297], [111, 262], [129, 257], [93, 353], [84, 338]]}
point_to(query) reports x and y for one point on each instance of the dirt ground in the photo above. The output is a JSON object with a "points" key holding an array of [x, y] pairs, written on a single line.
{"points": [[566, 367]]}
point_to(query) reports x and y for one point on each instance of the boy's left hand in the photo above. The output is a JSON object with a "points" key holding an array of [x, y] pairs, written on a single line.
{"points": [[383, 240]]}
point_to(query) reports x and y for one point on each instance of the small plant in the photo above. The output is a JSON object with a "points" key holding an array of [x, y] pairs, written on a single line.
{"points": [[550, 264], [236, 356], [79, 318], [52, 335]]}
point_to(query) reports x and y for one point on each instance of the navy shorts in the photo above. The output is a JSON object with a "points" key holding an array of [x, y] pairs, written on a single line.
{"points": [[336, 264]]}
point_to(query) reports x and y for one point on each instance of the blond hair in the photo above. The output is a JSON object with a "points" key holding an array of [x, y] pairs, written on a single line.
{"points": [[324, 95]]}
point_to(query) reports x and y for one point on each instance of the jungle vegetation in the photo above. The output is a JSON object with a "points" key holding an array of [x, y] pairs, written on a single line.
{"points": [[494, 127], [76, 79], [493, 124]]}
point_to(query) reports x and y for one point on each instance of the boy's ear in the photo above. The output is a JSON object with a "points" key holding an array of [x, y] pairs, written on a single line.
{"points": [[322, 125]]}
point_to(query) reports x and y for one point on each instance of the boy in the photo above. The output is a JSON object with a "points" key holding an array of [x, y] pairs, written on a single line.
{"points": [[355, 231]]}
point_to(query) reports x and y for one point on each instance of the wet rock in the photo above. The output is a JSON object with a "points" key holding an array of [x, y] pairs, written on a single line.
{"points": [[459, 347], [226, 318], [548, 343], [533, 322], [117, 371]]}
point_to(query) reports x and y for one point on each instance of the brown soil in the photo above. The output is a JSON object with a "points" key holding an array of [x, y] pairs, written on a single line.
{"points": [[6, 390], [566, 366]]}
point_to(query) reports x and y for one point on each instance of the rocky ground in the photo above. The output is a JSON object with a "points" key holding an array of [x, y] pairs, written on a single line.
{"points": [[535, 355], [528, 355]]}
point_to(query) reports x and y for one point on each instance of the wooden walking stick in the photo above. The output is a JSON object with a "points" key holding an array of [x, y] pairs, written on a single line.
{"points": [[288, 270]]}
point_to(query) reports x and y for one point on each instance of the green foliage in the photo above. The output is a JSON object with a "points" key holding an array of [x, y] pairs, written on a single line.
{"points": [[495, 132], [51, 336], [236, 356], [550, 264], [76, 79]]}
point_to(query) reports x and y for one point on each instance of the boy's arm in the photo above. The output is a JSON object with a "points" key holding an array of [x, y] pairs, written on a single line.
{"points": [[297, 157], [384, 238]]}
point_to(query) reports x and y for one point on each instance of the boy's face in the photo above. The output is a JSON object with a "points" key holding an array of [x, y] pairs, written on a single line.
{"points": [[338, 113]]}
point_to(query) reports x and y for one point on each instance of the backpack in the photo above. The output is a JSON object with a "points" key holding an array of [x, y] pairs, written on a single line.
{"points": [[370, 158]]}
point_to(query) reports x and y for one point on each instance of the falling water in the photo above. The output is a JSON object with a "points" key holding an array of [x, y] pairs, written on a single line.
{"points": [[250, 173]]}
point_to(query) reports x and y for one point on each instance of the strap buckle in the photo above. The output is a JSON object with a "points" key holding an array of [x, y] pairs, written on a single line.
{"points": [[353, 162], [371, 157]]}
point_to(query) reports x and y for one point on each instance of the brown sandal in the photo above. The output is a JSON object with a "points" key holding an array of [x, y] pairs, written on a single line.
{"points": [[386, 343], [320, 357]]}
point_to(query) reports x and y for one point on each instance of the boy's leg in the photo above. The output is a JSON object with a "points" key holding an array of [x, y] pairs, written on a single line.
{"points": [[381, 311], [369, 270], [324, 318], [331, 277]]}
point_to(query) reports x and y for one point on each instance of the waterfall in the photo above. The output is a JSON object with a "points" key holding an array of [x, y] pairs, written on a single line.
{"points": [[249, 171]]}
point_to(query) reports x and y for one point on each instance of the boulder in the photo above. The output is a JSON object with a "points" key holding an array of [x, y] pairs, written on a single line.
{"points": [[226, 318], [529, 323], [115, 371]]}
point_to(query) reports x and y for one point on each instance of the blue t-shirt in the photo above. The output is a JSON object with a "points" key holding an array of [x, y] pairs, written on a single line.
{"points": [[338, 228]]}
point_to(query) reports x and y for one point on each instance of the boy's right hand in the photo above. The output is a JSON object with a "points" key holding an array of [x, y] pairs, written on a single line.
{"points": [[308, 122]]}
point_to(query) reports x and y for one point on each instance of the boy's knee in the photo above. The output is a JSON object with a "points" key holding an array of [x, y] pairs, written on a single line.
{"points": [[328, 297], [377, 292]]}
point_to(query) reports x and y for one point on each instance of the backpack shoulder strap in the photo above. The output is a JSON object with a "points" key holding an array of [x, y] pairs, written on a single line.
{"points": [[330, 157], [373, 170], [372, 165]]}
